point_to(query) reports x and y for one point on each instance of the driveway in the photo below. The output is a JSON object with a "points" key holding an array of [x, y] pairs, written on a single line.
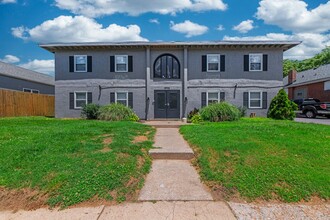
{"points": [[318, 120]]}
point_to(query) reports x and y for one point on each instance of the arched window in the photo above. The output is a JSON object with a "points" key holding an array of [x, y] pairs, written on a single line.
{"points": [[167, 66]]}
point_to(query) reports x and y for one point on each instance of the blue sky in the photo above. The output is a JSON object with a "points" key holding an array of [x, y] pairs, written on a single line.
{"points": [[26, 23]]}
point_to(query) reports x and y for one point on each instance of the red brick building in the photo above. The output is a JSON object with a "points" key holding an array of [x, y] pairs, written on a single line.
{"points": [[314, 83]]}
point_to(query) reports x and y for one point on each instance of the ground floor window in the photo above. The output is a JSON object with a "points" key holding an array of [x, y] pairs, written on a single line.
{"points": [[255, 99], [122, 97], [212, 97], [80, 99]]}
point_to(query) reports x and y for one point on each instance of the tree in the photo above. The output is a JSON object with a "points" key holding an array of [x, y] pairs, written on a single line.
{"points": [[281, 107]]}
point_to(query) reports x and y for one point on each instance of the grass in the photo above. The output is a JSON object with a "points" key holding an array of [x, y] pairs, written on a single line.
{"points": [[64, 158], [263, 158]]}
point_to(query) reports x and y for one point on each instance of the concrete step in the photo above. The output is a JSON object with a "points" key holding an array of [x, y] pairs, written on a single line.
{"points": [[165, 123]]}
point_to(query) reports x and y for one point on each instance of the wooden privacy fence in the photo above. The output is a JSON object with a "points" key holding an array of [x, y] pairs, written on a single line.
{"points": [[15, 103]]}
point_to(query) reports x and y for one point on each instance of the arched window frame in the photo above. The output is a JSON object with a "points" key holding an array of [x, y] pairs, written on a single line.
{"points": [[171, 75]]}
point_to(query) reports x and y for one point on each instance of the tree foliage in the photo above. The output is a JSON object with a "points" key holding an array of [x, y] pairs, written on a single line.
{"points": [[311, 63], [281, 107]]}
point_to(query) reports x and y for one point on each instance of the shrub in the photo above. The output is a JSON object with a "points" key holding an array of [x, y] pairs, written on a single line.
{"points": [[222, 111], [196, 119], [192, 113], [242, 111], [281, 107], [90, 111], [117, 112]]}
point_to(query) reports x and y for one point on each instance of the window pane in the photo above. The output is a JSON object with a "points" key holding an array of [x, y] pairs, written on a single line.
{"points": [[161, 100], [80, 59], [169, 67], [121, 59], [81, 95], [213, 66], [158, 68], [124, 102], [212, 102], [121, 67], [163, 73], [255, 66], [80, 103], [213, 95], [27, 90], [176, 71], [213, 58], [255, 58], [35, 91], [255, 95], [81, 67], [173, 101], [121, 95], [255, 103]]}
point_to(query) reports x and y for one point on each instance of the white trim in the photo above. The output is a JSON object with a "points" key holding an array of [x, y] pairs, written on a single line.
{"points": [[207, 63], [124, 71], [249, 101], [261, 62], [207, 96], [116, 99], [74, 63], [75, 99]]}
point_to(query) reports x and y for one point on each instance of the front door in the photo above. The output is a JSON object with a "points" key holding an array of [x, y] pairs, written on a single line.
{"points": [[167, 104]]}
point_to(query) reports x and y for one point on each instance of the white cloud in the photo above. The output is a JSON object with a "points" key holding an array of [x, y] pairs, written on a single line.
{"points": [[244, 26], [77, 29], [96, 8], [42, 66], [10, 59], [293, 15], [311, 43], [189, 28], [154, 20], [7, 1], [220, 27]]}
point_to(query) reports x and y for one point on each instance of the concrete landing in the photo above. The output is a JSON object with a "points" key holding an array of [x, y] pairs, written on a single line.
{"points": [[173, 180], [170, 145], [165, 123]]}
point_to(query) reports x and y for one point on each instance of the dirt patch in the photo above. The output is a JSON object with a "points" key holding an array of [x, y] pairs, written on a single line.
{"points": [[140, 162], [139, 139], [107, 141], [105, 150], [27, 199]]}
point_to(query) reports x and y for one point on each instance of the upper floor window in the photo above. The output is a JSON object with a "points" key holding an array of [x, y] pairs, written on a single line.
{"points": [[121, 63], [213, 63], [31, 90], [255, 62], [167, 67], [80, 63]]}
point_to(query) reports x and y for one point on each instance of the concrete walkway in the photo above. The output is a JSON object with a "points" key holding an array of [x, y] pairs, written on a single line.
{"points": [[172, 177]]}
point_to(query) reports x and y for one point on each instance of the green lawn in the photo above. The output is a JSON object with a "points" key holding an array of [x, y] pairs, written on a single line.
{"points": [[263, 158], [73, 160]]}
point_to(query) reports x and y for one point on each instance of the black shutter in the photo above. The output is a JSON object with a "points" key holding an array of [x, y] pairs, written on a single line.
{"points": [[130, 100], [112, 63], [222, 63], [246, 62], [265, 62], [203, 99], [89, 64], [222, 96], [71, 63], [264, 100], [246, 99], [89, 97], [112, 97], [204, 63], [71, 100], [130, 63]]}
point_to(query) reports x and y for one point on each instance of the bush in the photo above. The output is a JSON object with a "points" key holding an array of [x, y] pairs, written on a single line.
{"points": [[281, 107], [196, 119], [242, 111], [192, 113], [117, 112], [222, 111], [90, 111]]}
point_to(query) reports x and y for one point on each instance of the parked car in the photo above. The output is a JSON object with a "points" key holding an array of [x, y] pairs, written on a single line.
{"points": [[313, 107]]}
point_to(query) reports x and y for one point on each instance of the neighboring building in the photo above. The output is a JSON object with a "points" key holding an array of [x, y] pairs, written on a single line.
{"points": [[167, 79], [20, 79], [314, 83]]}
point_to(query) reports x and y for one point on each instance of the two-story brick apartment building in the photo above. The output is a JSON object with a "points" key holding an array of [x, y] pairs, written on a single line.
{"points": [[167, 79]]}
